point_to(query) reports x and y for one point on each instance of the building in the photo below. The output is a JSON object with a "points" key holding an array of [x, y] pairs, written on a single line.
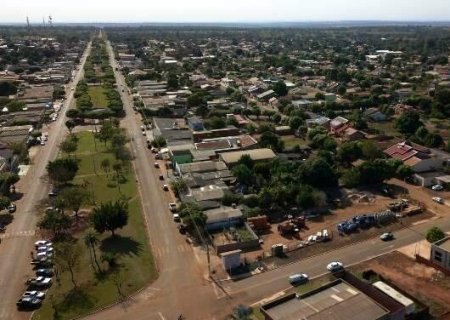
{"points": [[265, 96], [231, 158], [440, 253], [375, 115], [223, 218], [351, 134], [195, 124], [334, 301], [417, 157]]}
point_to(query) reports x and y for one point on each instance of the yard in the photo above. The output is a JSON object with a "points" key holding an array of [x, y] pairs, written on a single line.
{"points": [[98, 97], [136, 266]]}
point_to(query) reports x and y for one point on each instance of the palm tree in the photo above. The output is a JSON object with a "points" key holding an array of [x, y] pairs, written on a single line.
{"points": [[90, 240]]}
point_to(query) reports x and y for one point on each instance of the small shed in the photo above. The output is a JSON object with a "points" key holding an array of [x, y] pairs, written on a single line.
{"points": [[231, 259]]}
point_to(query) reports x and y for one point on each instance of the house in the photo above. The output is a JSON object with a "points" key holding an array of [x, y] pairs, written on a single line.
{"points": [[338, 123], [401, 108], [265, 96], [8, 160], [330, 97], [318, 121], [375, 115], [351, 134], [417, 157], [231, 158], [440, 253], [195, 124], [208, 193], [223, 218], [301, 103]]}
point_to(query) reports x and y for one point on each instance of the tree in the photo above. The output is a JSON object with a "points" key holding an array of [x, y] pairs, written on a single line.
{"points": [[349, 152], [404, 171], [192, 215], [215, 123], [69, 145], [4, 202], [280, 88], [106, 165], [7, 180], [433, 140], [341, 90], [55, 221], [7, 88], [305, 197], [68, 258], [295, 122], [272, 141], [408, 123], [243, 174], [196, 99], [70, 124], [435, 234], [317, 173], [62, 170], [110, 216], [74, 197], [179, 186], [91, 240], [159, 142]]}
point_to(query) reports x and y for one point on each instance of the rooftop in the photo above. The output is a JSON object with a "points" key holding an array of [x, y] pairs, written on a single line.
{"points": [[255, 154], [444, 244], [339, 301]]}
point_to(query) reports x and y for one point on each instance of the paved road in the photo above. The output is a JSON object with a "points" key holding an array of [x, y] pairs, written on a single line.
{"points": [[20, 236], [255, 288], [182, 286]]}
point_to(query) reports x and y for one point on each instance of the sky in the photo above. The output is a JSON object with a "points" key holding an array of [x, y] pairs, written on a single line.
{"points": [[223, 10]]}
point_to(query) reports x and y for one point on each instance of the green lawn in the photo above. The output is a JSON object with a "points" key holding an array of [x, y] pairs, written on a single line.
{"points": [[292, 141], [136, 264], [98, 97]]}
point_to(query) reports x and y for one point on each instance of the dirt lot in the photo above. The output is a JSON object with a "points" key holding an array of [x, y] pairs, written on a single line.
{"points": [[362, 203], [427, 285]]}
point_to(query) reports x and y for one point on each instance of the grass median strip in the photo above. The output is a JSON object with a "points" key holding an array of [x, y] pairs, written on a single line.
{"points": [[134, 267]]}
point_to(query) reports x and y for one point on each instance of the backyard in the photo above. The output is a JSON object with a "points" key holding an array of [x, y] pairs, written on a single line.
{"points": [[135, 265]]}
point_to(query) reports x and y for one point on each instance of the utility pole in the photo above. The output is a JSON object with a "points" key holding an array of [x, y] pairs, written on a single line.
{"points": [[28, 25]]}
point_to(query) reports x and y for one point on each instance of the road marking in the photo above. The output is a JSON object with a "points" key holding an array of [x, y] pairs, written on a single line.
{"points": [[17, 234], [161, 316]]}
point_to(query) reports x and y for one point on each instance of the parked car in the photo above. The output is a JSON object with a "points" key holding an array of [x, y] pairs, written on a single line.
{"points": [[437, 187], [335, 266], [156, 164], [165, 187], [34, 294], [12, 208], [182, 228], [387, 236], [41, 282], [298, 278], [2, 228], [176, 217], [29, 303], [173, 207], [161, 177], [41, 243], [53, 192], [44, 254], [438, 200], [45, 272]]}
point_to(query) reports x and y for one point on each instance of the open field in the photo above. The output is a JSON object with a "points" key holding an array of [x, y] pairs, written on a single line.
{"points": [[98, 97], [135, 267]]}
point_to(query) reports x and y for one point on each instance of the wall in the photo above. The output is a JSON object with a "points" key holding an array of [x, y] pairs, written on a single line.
{"points": [[429, 263]]}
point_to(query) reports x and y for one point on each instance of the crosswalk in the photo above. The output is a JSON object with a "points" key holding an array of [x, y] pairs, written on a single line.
{"points": [[162, 251], [18, 234]]}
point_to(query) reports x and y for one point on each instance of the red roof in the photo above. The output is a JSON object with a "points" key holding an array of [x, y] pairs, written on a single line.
{"points": [[401, 151]]}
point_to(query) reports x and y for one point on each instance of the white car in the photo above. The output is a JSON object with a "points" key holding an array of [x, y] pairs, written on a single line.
{"points": [[438, 200], [34, 294], [173, 207], [176, 217], [41, 243], [335, 266], [437, 187], [44, 249], [44, 254]]}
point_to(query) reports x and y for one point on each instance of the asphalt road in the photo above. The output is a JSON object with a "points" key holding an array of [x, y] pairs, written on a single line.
{"points": [[253, 289], [18, 240], [182, 287]]}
